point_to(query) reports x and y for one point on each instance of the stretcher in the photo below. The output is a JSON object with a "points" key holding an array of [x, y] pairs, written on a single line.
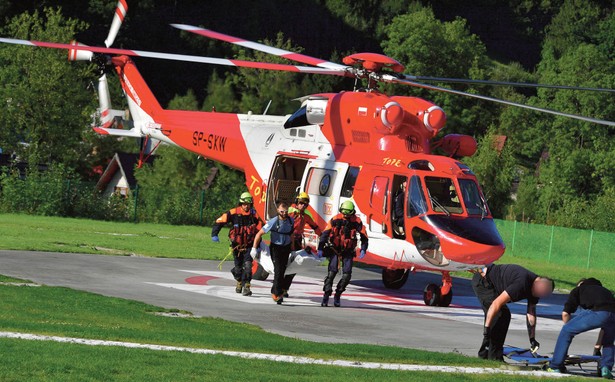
{"points": [[525, 357], [298, 261]]}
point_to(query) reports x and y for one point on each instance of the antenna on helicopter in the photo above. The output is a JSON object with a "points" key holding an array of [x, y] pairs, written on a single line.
{"points": [[267, 107]]}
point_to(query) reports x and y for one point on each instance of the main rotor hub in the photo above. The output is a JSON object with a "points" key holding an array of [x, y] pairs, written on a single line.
{"points": [[373, 62]]}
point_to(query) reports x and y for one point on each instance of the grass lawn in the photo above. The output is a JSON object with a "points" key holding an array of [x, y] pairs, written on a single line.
{"points": [[54, 234], [48, 361], [66, 312]]}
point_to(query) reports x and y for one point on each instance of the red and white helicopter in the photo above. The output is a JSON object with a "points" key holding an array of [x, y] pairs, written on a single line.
{"points": [[359, 145]]}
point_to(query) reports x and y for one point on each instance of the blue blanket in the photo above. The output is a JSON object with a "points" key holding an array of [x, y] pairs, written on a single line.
{"points": [[526, 357]]}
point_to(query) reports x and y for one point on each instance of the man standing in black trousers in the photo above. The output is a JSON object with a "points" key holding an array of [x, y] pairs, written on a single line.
{"points": [[497, 285], [281, 228]]}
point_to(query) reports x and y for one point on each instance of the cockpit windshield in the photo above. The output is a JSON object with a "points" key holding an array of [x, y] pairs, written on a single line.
{"points": [[475, 205], [443, 195]]}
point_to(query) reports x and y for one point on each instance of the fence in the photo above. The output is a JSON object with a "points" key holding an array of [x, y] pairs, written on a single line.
{"points": [[584, 249]]}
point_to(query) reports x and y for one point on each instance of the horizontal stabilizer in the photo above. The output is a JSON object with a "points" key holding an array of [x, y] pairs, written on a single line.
{"points": [[118, 132]]}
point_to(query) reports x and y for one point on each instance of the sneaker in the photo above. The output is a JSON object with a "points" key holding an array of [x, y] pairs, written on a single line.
{"points": [[325, 300], [238, 287], [606, 373], [554, 371], [336, 300], [280, 300], [285, 293], [246, 290]]}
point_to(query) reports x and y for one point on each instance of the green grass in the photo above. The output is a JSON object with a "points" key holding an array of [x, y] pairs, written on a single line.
{"points": [[6, 279], [66, 312], [48, 361], [54, 234]]}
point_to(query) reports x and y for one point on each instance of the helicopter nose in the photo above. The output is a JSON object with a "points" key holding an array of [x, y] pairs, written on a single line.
{"points": [[465, 240]]}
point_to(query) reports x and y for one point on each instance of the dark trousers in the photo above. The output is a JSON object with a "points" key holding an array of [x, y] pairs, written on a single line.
{"points": [[279, 257], [499, 326], [243, 265], [288, 279], [347, 258]]}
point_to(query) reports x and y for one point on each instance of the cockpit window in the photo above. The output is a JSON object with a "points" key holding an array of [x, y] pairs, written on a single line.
{"points": [[443, 195], [472, 198], [417, 205]]}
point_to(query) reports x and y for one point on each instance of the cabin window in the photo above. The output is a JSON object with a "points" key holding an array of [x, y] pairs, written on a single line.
{"points": [[349, 182], [320, 181], [472, 198], [417, 205], [443, 195]]}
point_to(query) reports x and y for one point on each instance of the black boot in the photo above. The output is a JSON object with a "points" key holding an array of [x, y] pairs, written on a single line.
{"points": [[325, 300], [336, 300]]}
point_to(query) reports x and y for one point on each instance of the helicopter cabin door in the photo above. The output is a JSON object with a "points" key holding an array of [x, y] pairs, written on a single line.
{"points": [[284, 182], [398, 206], [379, 204], [324, 181]]}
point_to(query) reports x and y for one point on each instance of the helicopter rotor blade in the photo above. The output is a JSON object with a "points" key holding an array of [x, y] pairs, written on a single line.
{"points": [[179, 57], [392, 79], [298, 57], [504, 83], [118, 19]]}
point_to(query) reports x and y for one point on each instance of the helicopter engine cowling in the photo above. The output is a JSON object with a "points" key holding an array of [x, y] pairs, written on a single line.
{"points": [[458, 145], [392, 116], [315, 110]]}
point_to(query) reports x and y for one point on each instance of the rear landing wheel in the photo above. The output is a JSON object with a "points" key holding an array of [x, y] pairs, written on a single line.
{"points": [[431, 295], [394, 278]]}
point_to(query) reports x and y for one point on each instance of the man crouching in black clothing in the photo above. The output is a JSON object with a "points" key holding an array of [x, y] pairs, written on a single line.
{"points": [[497, 285]]}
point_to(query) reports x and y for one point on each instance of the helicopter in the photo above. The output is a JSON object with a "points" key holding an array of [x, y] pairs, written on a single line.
{"points": [[360, 145]]}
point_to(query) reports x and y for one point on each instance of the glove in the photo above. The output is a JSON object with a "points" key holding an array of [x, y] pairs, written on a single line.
{"points": [[362, 253], [483, 352], [534, 345], [215, 239], [319, 254], [597, 352], [253, 252]]}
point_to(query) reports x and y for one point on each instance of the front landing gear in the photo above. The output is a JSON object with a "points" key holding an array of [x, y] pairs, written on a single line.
{"points": [[434, 295]]}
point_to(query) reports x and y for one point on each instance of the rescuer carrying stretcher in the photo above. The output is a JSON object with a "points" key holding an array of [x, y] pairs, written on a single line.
{"points": [[245, 223], [339, 242], [298, 211]]}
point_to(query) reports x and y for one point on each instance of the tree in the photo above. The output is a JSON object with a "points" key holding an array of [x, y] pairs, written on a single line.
{"points": [[576, 159], [430, 47], [45, 107], [495, 171]]}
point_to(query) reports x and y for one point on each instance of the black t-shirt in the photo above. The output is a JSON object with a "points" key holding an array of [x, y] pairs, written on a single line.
{"points": [[514, 279], [590, 295]]}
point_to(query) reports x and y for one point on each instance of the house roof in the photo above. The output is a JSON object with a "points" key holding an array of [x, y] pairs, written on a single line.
{"points": [[124, 162]]}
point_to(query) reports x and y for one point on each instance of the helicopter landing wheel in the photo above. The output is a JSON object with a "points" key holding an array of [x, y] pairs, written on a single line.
{"points": [[394, 278], [445, 300], [431, 295]]}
